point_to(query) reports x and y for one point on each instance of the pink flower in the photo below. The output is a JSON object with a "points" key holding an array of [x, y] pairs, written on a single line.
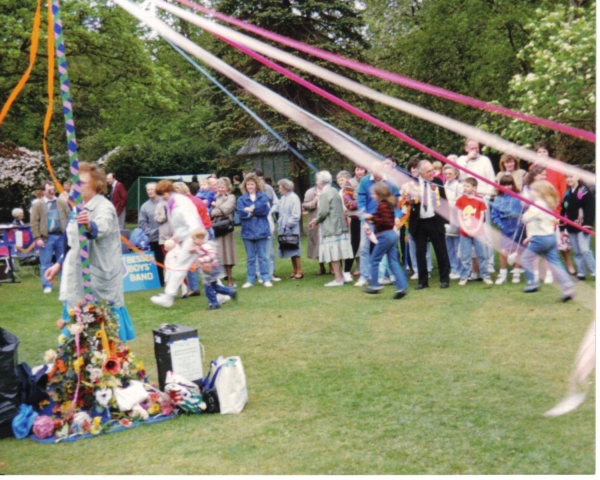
{"points": [[111, 365], [167, 410], [61, 323], [126, 422]]}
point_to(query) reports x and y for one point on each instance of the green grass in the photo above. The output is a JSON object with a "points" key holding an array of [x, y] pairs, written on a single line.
{"points": [[442, 382]]}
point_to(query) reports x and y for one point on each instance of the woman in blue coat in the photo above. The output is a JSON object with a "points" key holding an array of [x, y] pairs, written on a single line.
{"points": [[253, 209]]}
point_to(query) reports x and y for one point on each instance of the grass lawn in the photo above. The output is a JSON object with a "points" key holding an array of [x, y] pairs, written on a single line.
{"points": [[442, 382]]}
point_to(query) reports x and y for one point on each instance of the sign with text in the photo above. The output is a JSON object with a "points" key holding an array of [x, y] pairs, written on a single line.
{"points": [[139, 273]]}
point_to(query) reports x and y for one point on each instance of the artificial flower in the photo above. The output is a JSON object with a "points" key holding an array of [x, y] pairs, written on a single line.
{"points": [[125, 368], [62, 339], [167, 409], [126, 422], [71, 313], [103, 396], [77, 311], [50, 356], [95, 374], [75, 329], [61, 323], [77, 364], [111, 365], [154, 409]]}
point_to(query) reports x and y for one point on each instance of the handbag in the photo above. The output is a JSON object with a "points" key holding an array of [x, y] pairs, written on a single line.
{"points": [[289, 241], [222, 227]]}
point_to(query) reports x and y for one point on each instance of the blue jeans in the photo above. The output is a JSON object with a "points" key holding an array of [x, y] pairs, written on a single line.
{"points": [[545, 245], [211, 290], [192, 278], [384, 268], [364, 252], [387, 243], [452, 245], [54, 245], [270, 257], [584, 257], [257, 249], [412, 250], [466, 244]]}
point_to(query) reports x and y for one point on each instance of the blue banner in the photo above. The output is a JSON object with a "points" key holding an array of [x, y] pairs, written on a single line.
{"points": [[139, 273]]}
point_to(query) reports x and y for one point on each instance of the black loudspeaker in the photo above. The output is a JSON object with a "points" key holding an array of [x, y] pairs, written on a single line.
{"points": [[177, 349]]}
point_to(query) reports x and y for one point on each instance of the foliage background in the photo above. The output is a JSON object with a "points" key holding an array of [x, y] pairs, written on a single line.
{"points": [[132, 91]]}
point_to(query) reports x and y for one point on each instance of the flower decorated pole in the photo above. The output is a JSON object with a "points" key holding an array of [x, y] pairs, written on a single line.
{"points": [[72, 143]]}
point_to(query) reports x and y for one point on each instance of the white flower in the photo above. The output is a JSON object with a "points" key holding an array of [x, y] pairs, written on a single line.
{"points": [[564, 101]]}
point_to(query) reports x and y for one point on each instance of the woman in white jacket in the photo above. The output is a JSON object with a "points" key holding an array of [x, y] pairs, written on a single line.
{"points": [[183, 219]]}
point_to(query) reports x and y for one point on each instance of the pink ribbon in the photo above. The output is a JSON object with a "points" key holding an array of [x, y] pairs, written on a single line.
{"points": [[392, 130], [393, 77]]}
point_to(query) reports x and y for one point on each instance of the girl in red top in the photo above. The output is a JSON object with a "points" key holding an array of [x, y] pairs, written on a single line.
{"points": [[387, 241]]}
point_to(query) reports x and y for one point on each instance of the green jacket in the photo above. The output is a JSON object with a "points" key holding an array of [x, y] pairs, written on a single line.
{"points": [[331, 213]]}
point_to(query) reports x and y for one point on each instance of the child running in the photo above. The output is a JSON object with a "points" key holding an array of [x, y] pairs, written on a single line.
{"points": [[387, 240], [210, 268], [470, 208], [506, 214], [541, 240]]}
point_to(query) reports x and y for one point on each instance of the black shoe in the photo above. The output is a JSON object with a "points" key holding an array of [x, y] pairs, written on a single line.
{"points": [[567, 297], [373, 290], [581, 277], [444, 285], [399, 294], [214, 307], [193, 293], [421, 286], [234, 295]]}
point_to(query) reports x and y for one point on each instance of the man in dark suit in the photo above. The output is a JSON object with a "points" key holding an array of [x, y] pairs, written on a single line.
{"points": [[118, 197], [426, 222]]}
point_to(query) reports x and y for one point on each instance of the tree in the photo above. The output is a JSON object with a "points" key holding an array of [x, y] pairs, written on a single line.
{"points": [[561, 82]]}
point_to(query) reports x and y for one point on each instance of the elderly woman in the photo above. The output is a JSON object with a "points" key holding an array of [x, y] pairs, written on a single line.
{"points": [[334, 241], [99, 218], [253, 209], [290, 212], [349, 195], [18, 215], [224, 207], [183, 219], [311, 205]]}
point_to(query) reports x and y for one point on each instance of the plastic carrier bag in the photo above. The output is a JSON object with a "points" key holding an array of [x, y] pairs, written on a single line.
{"points": [[139, 239], [229, 378], [9, 382]]}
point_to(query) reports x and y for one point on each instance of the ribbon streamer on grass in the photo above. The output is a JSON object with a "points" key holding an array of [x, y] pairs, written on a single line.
{"points": [[393, 77], [72, 144], [460, 128]]}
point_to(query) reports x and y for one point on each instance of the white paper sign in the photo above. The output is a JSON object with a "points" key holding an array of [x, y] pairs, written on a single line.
{"points": [[185, 358]]}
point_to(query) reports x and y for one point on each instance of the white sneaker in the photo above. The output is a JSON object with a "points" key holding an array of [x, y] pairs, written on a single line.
{"points": [[500, 279], [222, 298], [463, 282], [361, 282], [491, 269], [385, 281], [259, 280], [268, 284], [347, 277], [488, 281], [184, 290], [247, 285], [275, 279], [415, 276], [454, 276], [549, 278], [48, 290], [334, 283], [516, 278], [473, 276], [162, 300]]}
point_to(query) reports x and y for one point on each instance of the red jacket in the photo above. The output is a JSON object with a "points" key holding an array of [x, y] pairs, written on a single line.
{"points": [[202, 211], [118, 197]]}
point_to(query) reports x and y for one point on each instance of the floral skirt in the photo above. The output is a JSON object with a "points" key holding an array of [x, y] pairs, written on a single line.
{"points": [[335, 247]]}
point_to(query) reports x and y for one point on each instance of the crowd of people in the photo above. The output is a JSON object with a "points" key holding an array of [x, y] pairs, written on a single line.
{"points": [[374, 228]]}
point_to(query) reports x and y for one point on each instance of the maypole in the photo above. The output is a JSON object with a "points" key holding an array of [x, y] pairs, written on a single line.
{"points": [[72, 144]]}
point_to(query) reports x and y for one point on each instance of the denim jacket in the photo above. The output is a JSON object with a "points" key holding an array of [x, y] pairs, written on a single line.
{"points": [[255, 225]]}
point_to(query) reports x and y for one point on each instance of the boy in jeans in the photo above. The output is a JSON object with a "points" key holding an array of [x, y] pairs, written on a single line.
{"points": [[470, 208]]}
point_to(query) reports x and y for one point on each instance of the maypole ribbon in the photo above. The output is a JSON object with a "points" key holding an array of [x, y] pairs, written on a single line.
{"points": [[35, 36], [244, 107], [394, 131], [72, 145], [48, 117], [451, 124], [393, 77]]}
